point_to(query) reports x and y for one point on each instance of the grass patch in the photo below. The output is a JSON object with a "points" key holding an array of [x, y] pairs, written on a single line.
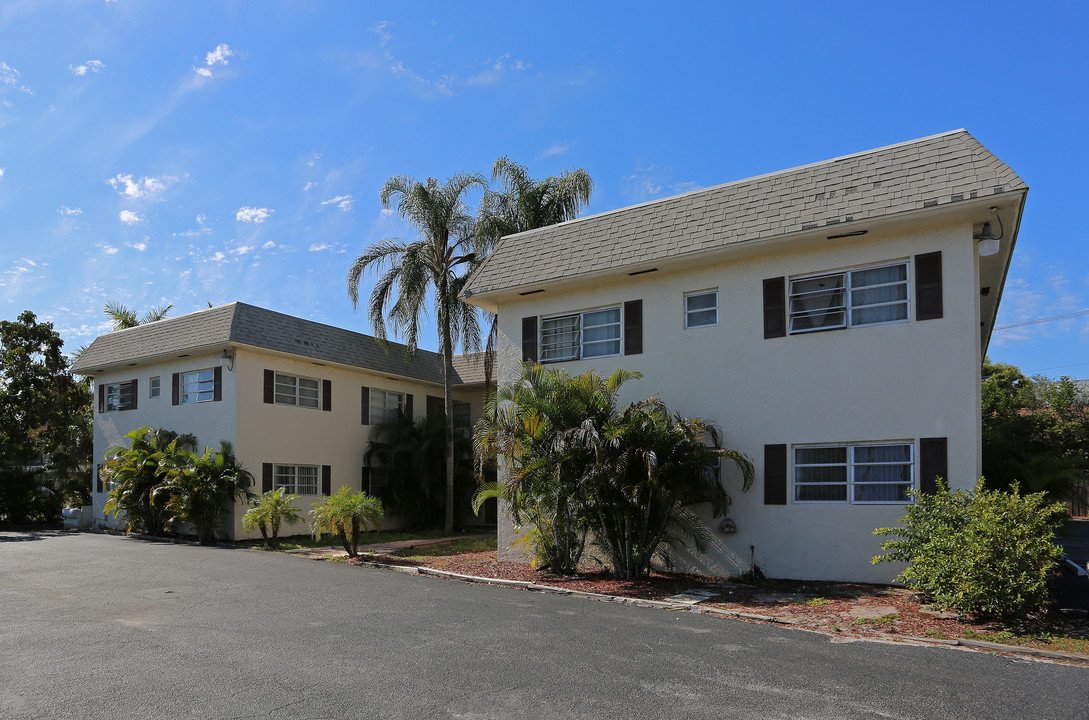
{"points": [[888, 619], [298, 542], [812, 602], [1073, 639], [455, 547]]}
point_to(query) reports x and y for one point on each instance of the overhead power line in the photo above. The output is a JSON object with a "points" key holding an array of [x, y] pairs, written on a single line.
{"points": [[1065, 316]]}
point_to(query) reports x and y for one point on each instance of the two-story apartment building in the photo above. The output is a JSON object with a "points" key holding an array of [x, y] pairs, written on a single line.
{"points": [[296, 398], [831, 318]]}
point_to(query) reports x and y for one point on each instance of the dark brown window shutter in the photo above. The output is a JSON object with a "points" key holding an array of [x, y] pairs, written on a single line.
{"points": [[326, 394], [435, 407], [633, 327], [217, 383], [266, 477], [101, 398], [775, 308], [928, 286], [365, 475], [408, 406], [100, 486], [175, 388], [134, 394], [933, 462], [365, 405], [775, 474], [270, 386], [326, 480], [529, 339]]}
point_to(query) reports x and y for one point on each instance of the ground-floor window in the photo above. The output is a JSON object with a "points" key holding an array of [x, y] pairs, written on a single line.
{"points": [[296, 479], [860, 473]]}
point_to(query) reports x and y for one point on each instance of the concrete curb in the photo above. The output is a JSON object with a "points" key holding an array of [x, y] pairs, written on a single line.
{"points": [[999, 647]]}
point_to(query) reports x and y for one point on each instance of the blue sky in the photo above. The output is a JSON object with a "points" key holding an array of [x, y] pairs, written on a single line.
{"points": [[183, 153]]}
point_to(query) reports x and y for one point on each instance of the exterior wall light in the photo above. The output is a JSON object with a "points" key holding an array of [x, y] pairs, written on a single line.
{"points": [[227, 360]]}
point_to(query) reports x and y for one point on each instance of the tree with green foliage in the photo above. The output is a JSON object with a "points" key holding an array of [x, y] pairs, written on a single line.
{"points": [[537, 424], [412, 455], [138, 476], [989, 552], [1035, 432], [202, 489], [433, 265], [269, 511], [345, 514], [45, 426], [652, 468], [123, 318]]}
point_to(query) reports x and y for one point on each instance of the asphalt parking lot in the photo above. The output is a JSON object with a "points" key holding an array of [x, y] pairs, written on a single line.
{"points": [[97, 626]]}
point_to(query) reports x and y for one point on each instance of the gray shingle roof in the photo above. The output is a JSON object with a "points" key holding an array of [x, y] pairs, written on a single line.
{"points": [[242, 324], [932, 171]]}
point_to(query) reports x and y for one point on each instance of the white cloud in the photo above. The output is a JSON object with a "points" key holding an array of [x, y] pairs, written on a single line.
{"points": [[129, 218], [1, 172], [138, 188], [556, 150], [10, 76], [344, 202], [218, 257], [253, 214], [308, 186], [107, 248], [92, 66], [441, 85], [386, 212], [139, 246], [318, 248], [63, 210], [383, 35], [201, 218], [268, 245], [219, 56], [497, 69], [243, 249]]}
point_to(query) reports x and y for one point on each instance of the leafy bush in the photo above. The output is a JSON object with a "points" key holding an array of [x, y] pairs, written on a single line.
{"points": [[137, 475], [344, 515], [988, 552], [269, 511], [200, 489]]}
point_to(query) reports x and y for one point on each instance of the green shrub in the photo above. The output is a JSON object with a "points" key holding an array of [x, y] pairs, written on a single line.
{"points": [[269, 510], [987, 552], [345, 514]]}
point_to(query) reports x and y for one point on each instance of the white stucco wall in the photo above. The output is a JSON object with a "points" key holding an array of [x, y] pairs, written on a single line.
{"points": [[894, 382]]}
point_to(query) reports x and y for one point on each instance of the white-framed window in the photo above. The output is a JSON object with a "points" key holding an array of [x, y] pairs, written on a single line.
{"points": [[300, 391], [849, 298], [701, 308], [858, 474], [154, 387], [586, 334], [296, 479], [118, 396], [385, 404], [197, 386]]}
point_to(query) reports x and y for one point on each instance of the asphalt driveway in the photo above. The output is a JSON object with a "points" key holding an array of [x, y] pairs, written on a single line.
{"points": [[95, 626]]}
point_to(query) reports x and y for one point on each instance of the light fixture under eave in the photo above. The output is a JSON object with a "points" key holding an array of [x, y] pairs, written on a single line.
{"points": [[987, 243], [227, 358]]}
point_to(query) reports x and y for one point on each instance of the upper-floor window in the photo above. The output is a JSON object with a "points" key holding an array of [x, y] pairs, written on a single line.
{"points": [[119, 396], [385, 404], [197, 386], [853, 473], [865, 296], [301, 391], [154, 387], [587, 334], [701, 309]]}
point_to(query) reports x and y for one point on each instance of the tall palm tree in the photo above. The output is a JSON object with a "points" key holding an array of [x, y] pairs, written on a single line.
{"points": [[524, 204], [124, 318], [434, 264]]}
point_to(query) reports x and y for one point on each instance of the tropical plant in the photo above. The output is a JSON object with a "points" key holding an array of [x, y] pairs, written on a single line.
{"points": [[434, 264], [652, 467], [200, 490], [412, 455], [271, 509], [123, 318], [522, 204], [538, 425], [990, 552], [345, 514], [137, 472]]}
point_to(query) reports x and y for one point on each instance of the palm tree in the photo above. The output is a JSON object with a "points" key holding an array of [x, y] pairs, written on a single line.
{"points": [[269, 511], [124, 318], [137, 473], [436, 264], [344, 515], [525, 204], [200, 489]]}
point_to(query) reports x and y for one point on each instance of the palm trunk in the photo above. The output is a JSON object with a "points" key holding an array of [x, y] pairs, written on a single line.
{"points": [[447, 375]]}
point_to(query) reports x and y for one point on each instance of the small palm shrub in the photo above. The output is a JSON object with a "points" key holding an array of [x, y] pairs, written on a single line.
{"points": [[989, 552], [200, 489], [345, 514], [269, 511]]}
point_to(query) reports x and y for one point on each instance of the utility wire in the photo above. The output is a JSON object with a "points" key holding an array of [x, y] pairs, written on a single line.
{"points": [[1066, 316]]}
